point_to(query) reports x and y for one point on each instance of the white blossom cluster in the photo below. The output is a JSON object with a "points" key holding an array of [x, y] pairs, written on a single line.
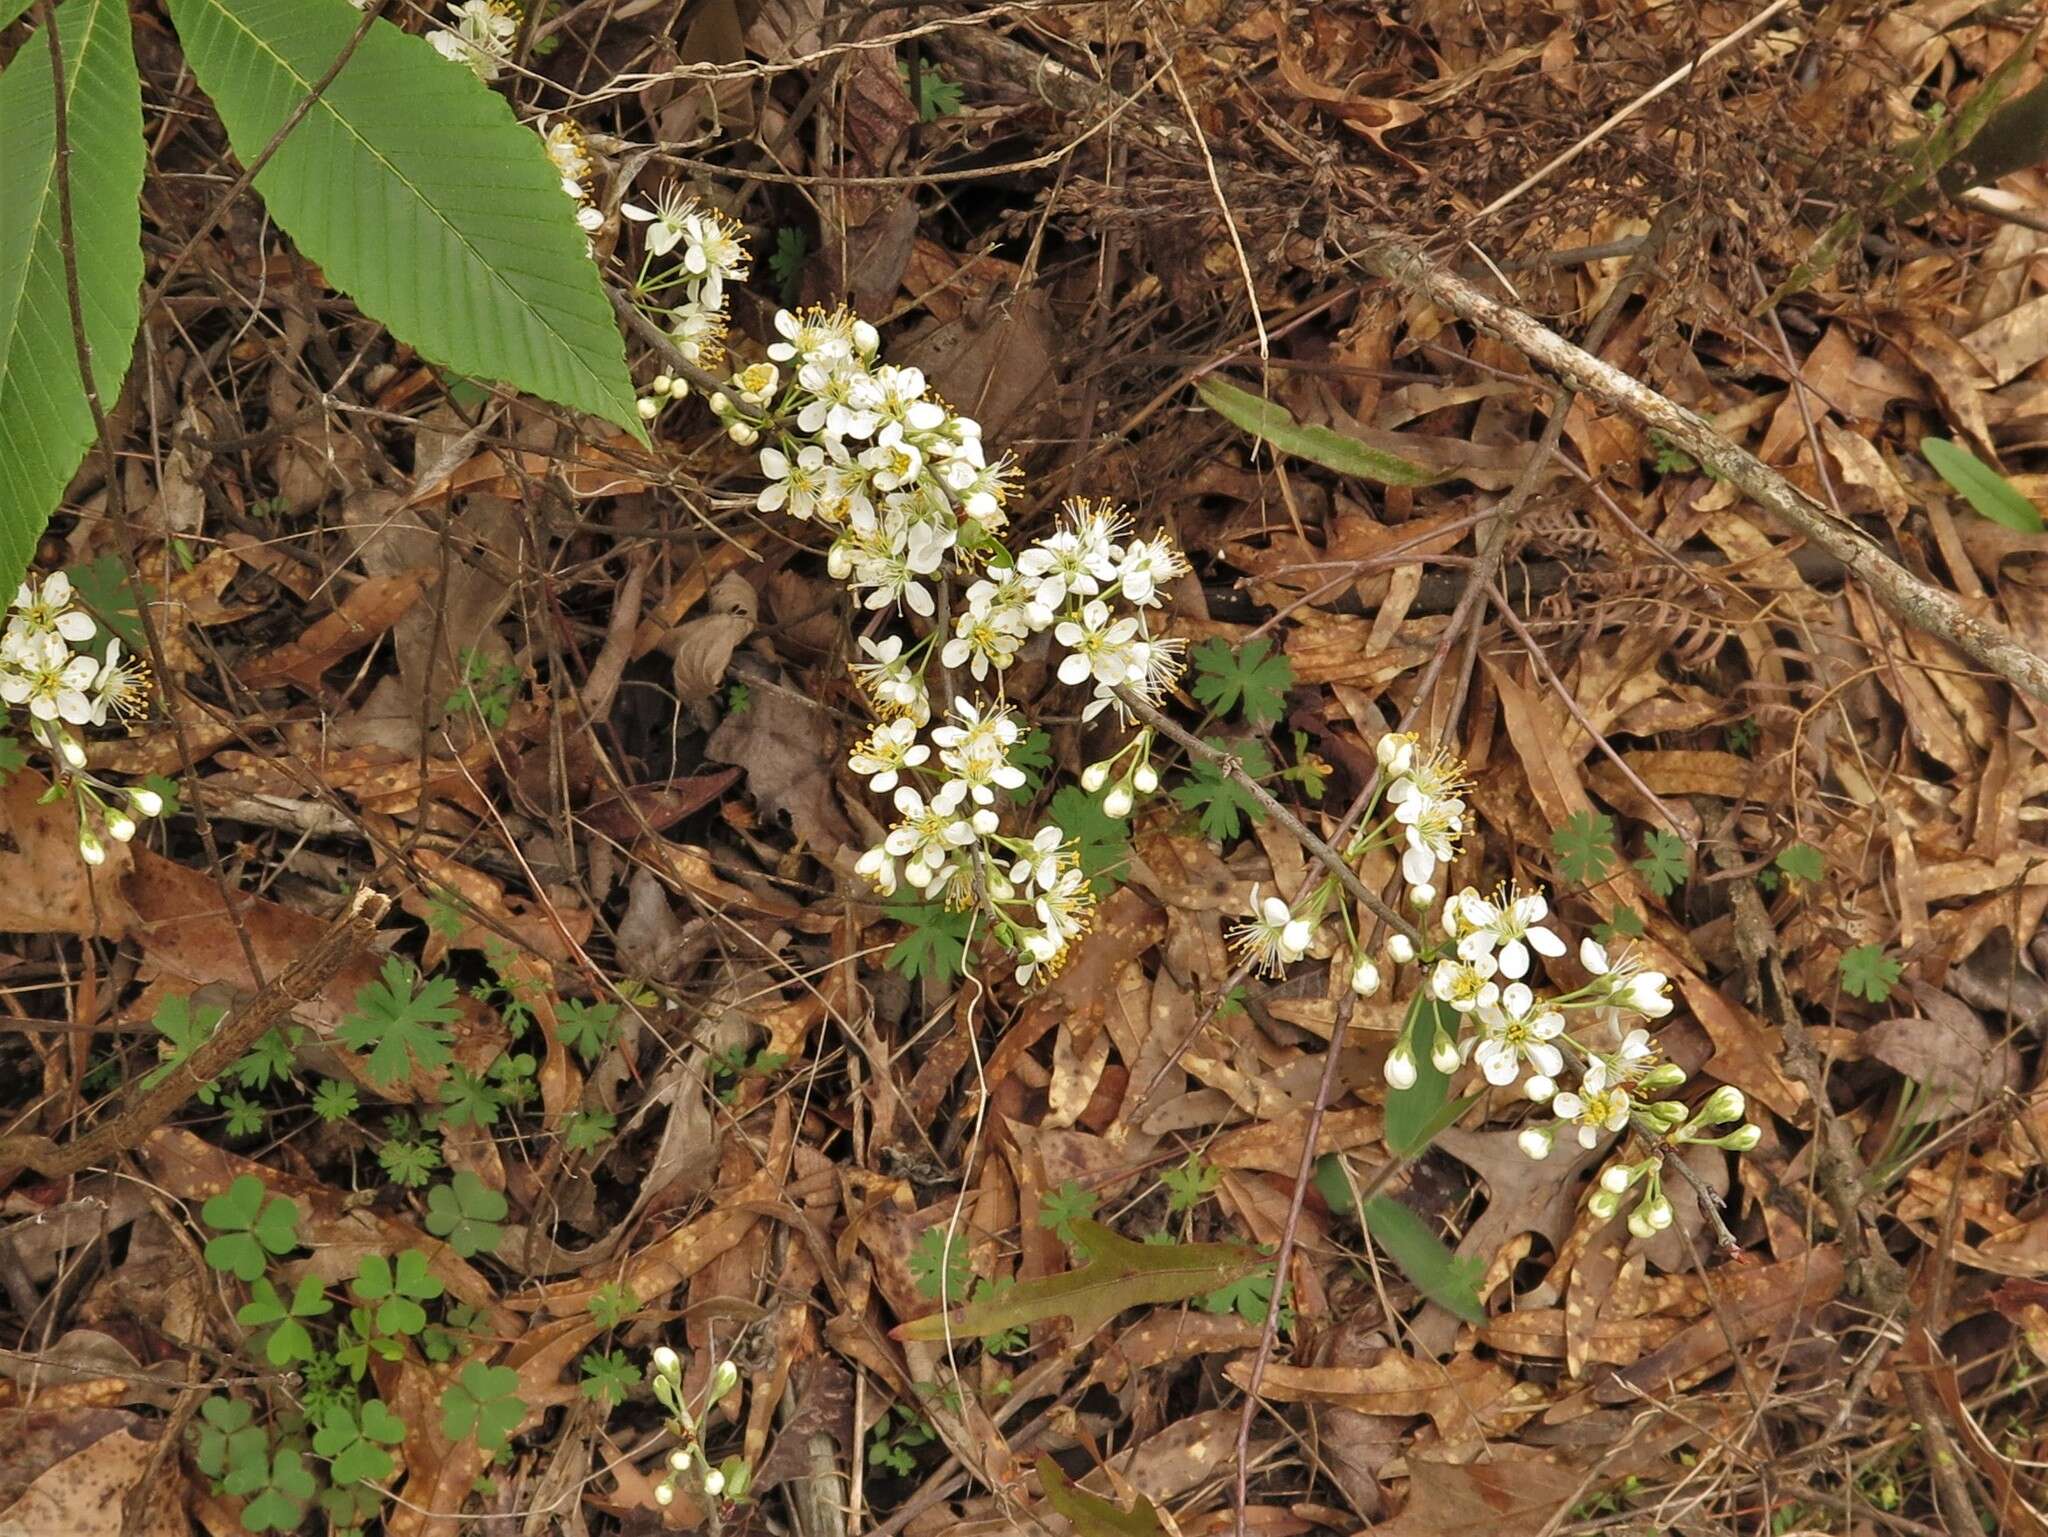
{"points": [[704, 250], [480, 34], [916, 510], [1480, 974], [45, 671], [573, 163], [729, 1479]]}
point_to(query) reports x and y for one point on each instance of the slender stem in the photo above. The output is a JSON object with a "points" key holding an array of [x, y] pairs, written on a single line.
{"points": [[1234, 772]]}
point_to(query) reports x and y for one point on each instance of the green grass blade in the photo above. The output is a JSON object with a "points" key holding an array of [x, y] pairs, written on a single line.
{"points": [[45, 424], [1981, 486], [418, 193], [1273, 422]]}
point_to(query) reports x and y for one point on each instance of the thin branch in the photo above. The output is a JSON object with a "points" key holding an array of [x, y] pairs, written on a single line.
{"points": [[345, 938], [1905, 595], [1232, 770]]}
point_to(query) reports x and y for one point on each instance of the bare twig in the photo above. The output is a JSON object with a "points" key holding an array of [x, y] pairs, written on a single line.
{"points": [[1905, 595], [1232, 770], [348, 936]]}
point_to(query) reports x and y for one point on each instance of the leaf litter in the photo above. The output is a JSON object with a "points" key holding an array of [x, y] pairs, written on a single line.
{"points": [[643, 1063]]}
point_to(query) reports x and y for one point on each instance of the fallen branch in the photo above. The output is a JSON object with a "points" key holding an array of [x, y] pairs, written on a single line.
{"points": [[346, 937], [1905, 595]]}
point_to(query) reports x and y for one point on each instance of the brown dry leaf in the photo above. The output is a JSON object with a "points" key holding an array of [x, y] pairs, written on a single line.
{"points": [[1513, 1491], [787, 745], [71, 1473], [703, 647], [1746, 1050], [599, 468], [1465, 1398], [46, 887], [370, 609], [1948, 1050], [487, 918], [990, 365]]}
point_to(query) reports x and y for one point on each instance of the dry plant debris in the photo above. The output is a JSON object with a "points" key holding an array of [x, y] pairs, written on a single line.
{"points": [[477, 1053]]}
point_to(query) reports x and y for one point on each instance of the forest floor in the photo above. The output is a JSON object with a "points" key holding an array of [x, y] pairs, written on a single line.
{"points": [[648, 1064]]}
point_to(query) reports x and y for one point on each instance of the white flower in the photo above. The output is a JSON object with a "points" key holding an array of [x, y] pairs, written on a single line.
{"points": [[481, 37], [1598, 1108], [48, 608], [890, 681], [1466, 985], [1627, 983], [894, 460], [1396, 752], [1041, 863], [37, 669], [1273, 937], [713, 250], [1510, 926], [977, 750], [667, 221], [117, 688], [698, 332], [813, 336], [879, 867], [1101, 647], [929, 834], [794, 485], [1513, 1030], [1148, 565], [892, 747]]}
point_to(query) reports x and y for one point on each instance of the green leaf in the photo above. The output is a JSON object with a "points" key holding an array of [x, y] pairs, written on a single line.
{"points": [[334, 1100], [248, 1227], [1119, 1274], [1412, 1112], [1868, 973], [1252, 677], [227, 1438], [786, 261], [350, 1441], [469, 1100], [608, 1378], [1664, 864], [289, 1341], [1220, 802], [1059, 1210], [1273, 422], [1104, 840], [183, 1029], [13, 757], [1092, 1515], [587, 1028], [418, 193], [1800, 862], [1981, 486], [466, 1212], [1585, 847], [612, 1303], [936, 945], [45, 424], [1190, 1184], [1250, 1297], [1623, 922], [104, 590], [585, 1131], [397, 1292], [281, 1495], [939, 1266], [1442, 1277], [392, 1024], [409, 1162], [483, 1402]]}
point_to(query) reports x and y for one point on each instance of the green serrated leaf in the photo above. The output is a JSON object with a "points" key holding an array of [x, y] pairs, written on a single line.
{"points": [[936, 945], [1438, 1274], [1219, 802], [1868, 973], [1664, 864], [1273, 422], [1252, 677], [1585, 847], [1104, 840], [418, 193], [45, 424], [1800, 862], [1981, 486], [1119, 1274]]}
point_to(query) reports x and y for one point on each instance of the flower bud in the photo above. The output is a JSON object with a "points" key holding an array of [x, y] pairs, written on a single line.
{"points": [[1665, 1075], [679, 389], [1640, 1225], [724, 1379], [714, 1482], [1535, 1141], [1117, 803], [90, 849], [679, 1459], [1539, 1088], [1395, 752], [1401, 1067], [1743, 1138], [147, 801], [746, 434], [1617, 1178], [1603, 1204], [1662, 1116], [1365, 977], [120, 828], [1443, 1054], [720, 403], [666, 1362], [1094, 777], [1419, 897], [1657, 1212], [664, 1493], [1725, 1104], [1401, 948], [662, 383], [71, 750], [1146, 778], [647, 407]]}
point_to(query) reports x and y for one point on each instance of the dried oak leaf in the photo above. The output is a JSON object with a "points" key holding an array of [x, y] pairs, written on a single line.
{"points": [[787, 746]]}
